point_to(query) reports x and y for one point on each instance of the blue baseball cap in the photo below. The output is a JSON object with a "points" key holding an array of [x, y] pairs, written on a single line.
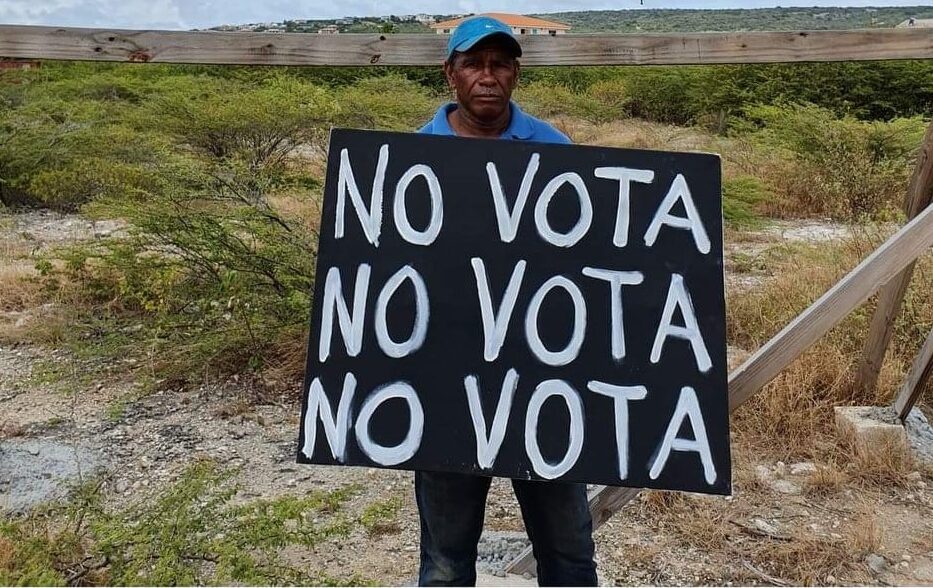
{"points": [[473, 30]]}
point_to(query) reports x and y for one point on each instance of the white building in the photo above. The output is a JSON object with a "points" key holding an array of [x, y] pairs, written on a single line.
{"points": [[521, 25]]}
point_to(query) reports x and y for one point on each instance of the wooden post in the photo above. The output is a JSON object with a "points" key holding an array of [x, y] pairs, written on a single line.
{"points": [[920, 375], [919, 196], [891, 258]]}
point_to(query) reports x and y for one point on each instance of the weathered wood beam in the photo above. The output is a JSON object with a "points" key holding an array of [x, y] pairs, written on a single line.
{"points": [[921, 373], [245, 48], [891, 297], [901, 249]]}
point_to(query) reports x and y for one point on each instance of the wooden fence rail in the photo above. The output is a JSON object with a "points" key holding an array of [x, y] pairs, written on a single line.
{"points": [[244, 48], [919, 377]]}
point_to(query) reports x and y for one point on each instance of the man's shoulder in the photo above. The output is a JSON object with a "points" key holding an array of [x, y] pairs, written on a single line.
{"points": [[545, 132], [438, 125], [528, 128]]}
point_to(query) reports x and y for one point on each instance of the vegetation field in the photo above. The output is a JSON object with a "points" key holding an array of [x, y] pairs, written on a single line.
{"points": [[647, 19], [158, 231], [760, 19]]}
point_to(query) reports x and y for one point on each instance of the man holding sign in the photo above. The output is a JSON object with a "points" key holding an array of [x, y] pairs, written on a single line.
{"points": [[482, 69], [550, 313]]}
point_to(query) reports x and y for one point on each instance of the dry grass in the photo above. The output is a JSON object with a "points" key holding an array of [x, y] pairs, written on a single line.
{"points": [[10, 429], [298, 205], [705, 526], [17, 290], [806, 560], [7, 555], [886, 464], [660, 502], [864, 535], [792, 417], [788, 417], [637, 134], [825, 481], [700, 522], [639, 556], [232, 408], [288, 364]]}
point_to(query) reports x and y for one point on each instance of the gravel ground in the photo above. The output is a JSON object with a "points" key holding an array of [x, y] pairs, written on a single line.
{"points": [[50, 436]]}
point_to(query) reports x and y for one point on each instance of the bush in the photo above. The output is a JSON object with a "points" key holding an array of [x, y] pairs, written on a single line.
{"points": [[839, 167], [662, 94], [741, 197], [612, 98], [545, 99], [190, 534], [389, 102], [259, 125], [65, 153], [715, 95], [214, 274]]}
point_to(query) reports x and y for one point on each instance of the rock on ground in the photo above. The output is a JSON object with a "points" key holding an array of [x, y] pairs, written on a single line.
{"points": [[37, 470]]}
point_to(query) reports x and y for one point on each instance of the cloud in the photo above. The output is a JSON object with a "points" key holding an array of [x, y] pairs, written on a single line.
{"points": [[94, 13]]}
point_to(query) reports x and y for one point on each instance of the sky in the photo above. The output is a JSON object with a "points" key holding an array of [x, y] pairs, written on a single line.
{"points": [[189, 14]]}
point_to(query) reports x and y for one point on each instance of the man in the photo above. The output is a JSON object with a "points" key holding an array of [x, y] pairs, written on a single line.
{"points": [[482, 68]]}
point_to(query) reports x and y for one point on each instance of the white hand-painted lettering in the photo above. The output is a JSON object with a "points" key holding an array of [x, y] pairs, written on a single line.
{"points": [[572, 349], [334, 301], [393, 455], [688, 407], [616, 280], [371, 219], [496, 324], [400, 211], [335, 429], [422, 314], [693, 223], [574, 235], [679, 297], [545, 390], [620, 396], [488, 444], [509, 220], [625, 176]]}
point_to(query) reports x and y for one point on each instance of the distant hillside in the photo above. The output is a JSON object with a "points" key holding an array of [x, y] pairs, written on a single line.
{"points": [[632, 21], [761, 19]]}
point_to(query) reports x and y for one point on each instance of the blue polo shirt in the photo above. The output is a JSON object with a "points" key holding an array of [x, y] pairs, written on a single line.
{"points": [[522, 126]]}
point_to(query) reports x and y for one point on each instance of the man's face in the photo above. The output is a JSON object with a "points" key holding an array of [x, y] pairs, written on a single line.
{"points": [[483, 79]]}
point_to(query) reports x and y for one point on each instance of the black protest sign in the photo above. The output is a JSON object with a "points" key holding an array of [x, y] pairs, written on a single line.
{"points": [[520, 310]]}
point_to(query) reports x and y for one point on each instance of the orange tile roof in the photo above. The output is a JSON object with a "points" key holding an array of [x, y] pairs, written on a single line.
{"points": [[513, 20]]}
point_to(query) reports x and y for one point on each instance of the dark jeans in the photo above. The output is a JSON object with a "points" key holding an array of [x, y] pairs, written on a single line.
{"points": [[452, 508]]}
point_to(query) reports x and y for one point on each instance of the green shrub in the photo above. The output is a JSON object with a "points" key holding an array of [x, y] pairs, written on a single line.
{"points": [[612, 98], [545, 99], [214, 273], [189, 534], [741, 197], [65, 153], [390, 102], [259, 125], [662, 94], [839, 167]]}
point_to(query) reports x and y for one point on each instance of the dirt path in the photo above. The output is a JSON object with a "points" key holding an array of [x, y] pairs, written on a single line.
{"points": [[778, 525]]}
